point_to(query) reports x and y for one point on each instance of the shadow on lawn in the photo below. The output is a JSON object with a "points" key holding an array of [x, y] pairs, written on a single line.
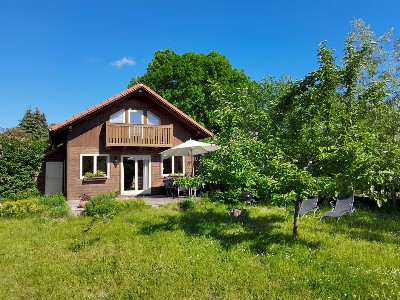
{"points": [[369, 225], [259, 233]]}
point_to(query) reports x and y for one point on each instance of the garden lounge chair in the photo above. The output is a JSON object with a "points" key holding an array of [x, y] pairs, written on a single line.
{"points": [[309, 204], [344, 205]]}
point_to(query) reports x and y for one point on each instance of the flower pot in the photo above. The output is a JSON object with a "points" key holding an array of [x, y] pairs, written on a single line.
{"points": [[82, 203]]}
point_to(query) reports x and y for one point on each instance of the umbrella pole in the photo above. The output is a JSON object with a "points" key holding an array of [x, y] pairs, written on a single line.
{"points": [[191, 154]]}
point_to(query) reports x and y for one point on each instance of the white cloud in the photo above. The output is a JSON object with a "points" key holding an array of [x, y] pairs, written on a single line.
{"points": [[125, 61]]}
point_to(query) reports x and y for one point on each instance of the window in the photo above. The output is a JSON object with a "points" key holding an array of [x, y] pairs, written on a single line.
{"points": [[118, 117], [173, 165], [93, 163], [152, 119], [135, 116]]}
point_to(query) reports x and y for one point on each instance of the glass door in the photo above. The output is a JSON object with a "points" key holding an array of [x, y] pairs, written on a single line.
{"points": [[135, 175]]}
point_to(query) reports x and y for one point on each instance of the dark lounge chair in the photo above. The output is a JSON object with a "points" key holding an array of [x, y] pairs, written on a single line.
{"points": [[344, 205]]}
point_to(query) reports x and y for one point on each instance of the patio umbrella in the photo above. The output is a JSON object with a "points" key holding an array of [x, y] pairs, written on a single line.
{"points": [[190, 148]]}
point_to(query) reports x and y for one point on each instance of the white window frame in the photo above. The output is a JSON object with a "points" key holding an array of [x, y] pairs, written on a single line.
{"points": [[94, 164], [173, 165], [123, 116], [136, 110], [155, 117]]}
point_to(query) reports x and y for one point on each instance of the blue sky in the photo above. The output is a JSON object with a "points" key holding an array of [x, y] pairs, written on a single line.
{"points": [[66, 56]]}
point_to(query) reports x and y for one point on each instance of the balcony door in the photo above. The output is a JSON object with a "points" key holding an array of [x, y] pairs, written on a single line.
{"points": [[135, 175]]}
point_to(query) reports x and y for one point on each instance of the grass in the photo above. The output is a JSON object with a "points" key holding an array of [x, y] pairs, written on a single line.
{"points": [[201, 253]]}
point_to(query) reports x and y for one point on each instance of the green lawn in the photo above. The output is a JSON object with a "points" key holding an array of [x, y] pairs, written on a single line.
{"points": [[163, 253]]}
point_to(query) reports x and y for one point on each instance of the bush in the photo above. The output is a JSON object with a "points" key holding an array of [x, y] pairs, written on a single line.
{"points": [[186, 204], [21, 208], [101, 205], [126, 204], [49, 206], [24, 194], [56, 205], [53, 200], [21, 160]]}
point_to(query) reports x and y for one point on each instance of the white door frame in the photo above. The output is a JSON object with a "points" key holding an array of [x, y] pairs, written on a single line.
{"points": [[136, 191]]}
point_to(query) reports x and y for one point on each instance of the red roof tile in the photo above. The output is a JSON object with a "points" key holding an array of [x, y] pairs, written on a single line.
{"points": [[131, 90]]}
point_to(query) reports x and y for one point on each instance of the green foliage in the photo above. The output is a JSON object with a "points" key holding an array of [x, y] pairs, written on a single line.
{"points": [[333, 132], [21, 208], [186, 204], [344, 118], [99, 173], [21, 159], [102, 205], [186, 81], [53, 206], [35, 124], [250, 158], [56, 205], [129, 204], [190, 181]]}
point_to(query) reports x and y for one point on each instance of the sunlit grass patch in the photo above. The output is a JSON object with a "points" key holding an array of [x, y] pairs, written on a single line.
{"points": [[202, 253]]}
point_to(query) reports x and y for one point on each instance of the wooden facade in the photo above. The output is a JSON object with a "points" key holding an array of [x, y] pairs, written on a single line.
{"points": [[138, 135], [120, 145]]}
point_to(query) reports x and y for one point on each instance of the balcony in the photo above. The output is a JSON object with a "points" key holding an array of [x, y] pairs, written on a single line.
{"points": [[134, 135]]}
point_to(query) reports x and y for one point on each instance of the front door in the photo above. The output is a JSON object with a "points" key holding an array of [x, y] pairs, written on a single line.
{"points": [[135, 175]]}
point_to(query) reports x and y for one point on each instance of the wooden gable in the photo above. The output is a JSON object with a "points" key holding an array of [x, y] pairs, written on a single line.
{"points": [[91, 128]]}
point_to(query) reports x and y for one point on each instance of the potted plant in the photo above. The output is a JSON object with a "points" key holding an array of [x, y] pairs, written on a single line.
{"points": [[99, 175], [83, 199]]}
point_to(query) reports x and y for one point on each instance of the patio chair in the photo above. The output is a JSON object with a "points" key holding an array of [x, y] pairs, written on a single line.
{"points": [[307, 205], [169, 187], [344, 205]]}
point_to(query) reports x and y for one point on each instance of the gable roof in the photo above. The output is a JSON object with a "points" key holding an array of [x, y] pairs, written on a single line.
{"points": [[132, 90]]}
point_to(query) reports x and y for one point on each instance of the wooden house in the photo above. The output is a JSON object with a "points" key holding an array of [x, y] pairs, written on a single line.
{"points": [[116, 144]]}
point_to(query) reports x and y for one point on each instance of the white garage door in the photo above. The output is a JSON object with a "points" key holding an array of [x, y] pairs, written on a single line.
{"points": [[54, 177]]}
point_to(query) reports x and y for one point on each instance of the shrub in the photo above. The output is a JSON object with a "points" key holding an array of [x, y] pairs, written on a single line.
{"points": [[186, 204], [126, 204], [24, 194], [50, 206], [53, 200], [56, 205], [101, 205], [20, 162], [114, 193], [21, 208]]}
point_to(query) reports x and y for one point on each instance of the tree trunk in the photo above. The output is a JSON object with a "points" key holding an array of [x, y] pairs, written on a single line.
{"points": [[296, 217]]}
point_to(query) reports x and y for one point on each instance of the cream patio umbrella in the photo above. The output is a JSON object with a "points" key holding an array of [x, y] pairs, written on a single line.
{"points": [[190, 148]]}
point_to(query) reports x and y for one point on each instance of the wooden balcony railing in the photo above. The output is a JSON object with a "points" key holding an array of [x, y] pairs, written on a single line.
{"points": [[138, 135]]}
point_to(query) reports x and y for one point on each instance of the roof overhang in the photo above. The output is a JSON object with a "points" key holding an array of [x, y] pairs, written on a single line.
{"points": [[131, 91]]}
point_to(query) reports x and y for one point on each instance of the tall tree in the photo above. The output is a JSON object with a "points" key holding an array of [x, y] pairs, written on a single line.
{"points": [[35, 124], [186, 80], [335, 131], [331, 121]]}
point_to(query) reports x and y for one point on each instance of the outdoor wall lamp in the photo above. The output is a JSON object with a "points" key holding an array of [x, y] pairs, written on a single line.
{"points": [[116, 161]]}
